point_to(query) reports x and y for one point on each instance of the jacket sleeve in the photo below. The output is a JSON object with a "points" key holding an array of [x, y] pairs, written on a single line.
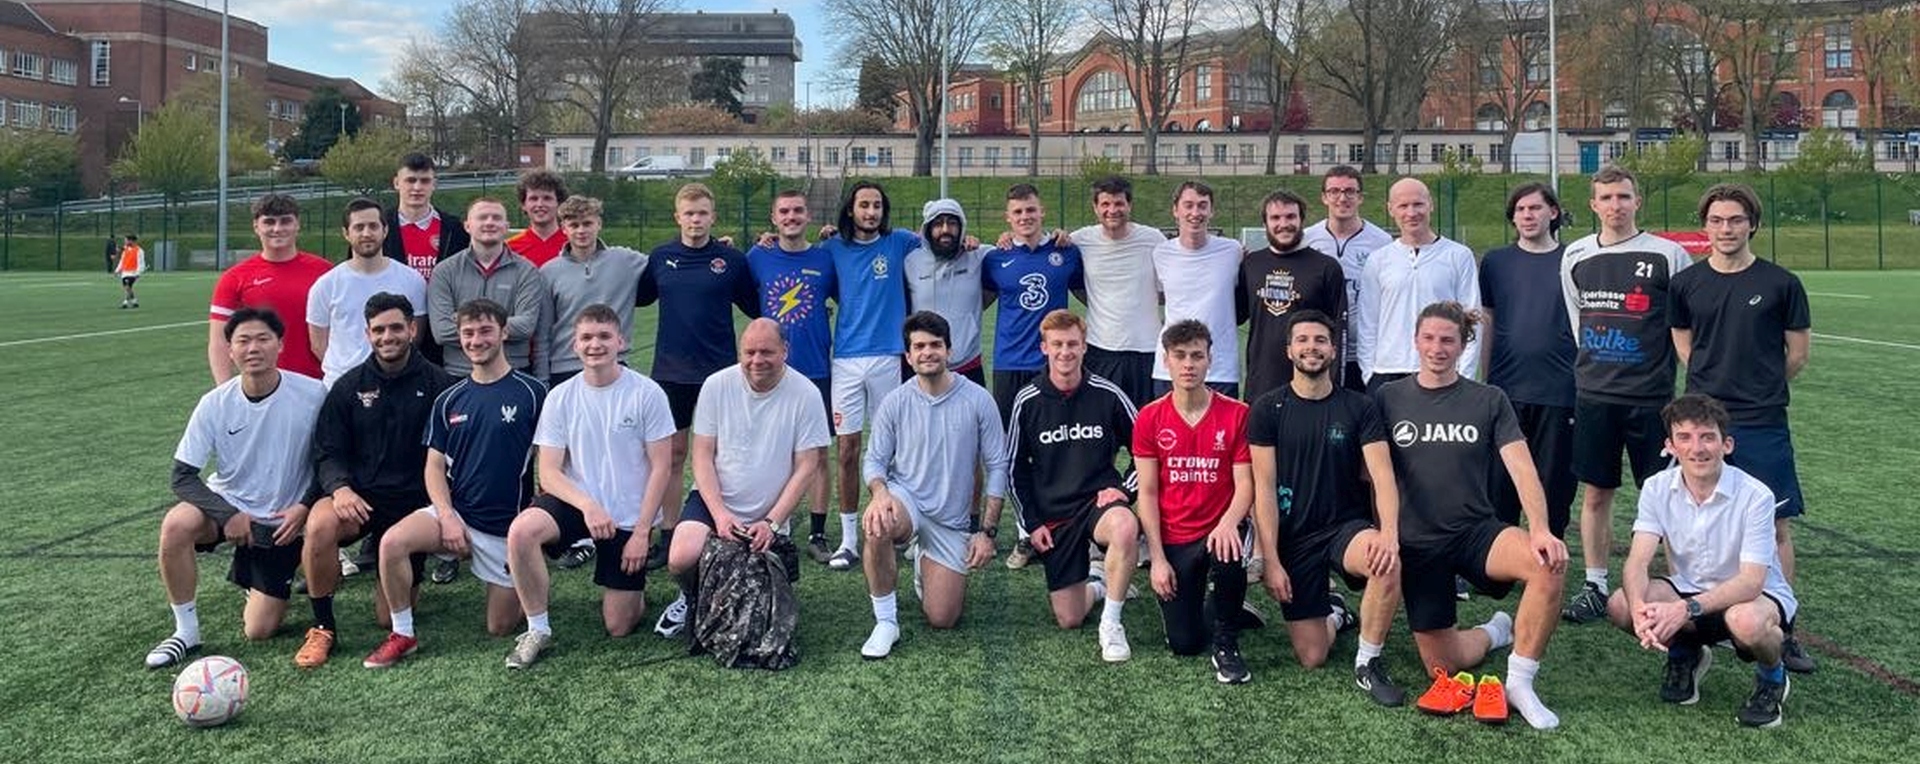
{"points": [[1020, 469], [333, 439]]}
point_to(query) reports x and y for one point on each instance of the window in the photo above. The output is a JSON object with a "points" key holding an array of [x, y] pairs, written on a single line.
{"points": [[1838, 47], [804, 155], [966, 156], [1730, 151], [1202, 83], [1249, 153], [1327, 155], [1536, 116], [1110, 151], [561, 156], [1497, 152], [1410, 153], [1356, 152], [1104, 91], [1020, 155], [697, 157], [1489, 69], [993, 156], [1839, 109], [886, 156], [833, 156], [63, 119], [102, 63], [26, 114], [1437, 153], [63, 72], [28, 65], [779, 155], [993, 102], [1534, 46], [1616, 149], [616, 157], [1466, 151], [1193, 153], [1302, 153], [193, 62], [1173, 86], [1219, 153], [1236, 88]]}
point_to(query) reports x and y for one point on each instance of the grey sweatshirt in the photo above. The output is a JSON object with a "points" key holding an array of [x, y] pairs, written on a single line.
{"points": [[515, 284], [610, 277]]}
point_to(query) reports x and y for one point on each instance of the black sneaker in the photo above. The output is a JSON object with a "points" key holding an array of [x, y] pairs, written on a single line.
{"points": [[1228, 666], [1762, 708], [656, 555], [1461, 590], [1682, 682], [1586, 607], [1795, 656], [577, 556], [1373, 678], [818, 549], [1348, 619], [445, 571]]}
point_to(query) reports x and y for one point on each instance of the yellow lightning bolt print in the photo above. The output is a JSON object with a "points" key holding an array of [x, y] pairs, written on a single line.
{"points": [[790, 299]]}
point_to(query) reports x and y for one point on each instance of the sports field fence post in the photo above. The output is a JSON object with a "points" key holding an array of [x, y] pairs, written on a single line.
{"points": [[6, 242], [59, 250], [1879, 223], [1773, 231]]}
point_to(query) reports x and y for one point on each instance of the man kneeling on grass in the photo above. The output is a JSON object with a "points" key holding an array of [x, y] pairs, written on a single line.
{"points": [[1724, 582]]}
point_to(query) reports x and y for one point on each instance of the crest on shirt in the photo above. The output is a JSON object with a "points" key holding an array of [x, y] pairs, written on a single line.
{"points": [[718, 265], [368, 397], [1336, 435], [1277, 293], [880, 266], [1219, 440], [507, 413], [434, 242], [1166, 438], [1054, 259]]}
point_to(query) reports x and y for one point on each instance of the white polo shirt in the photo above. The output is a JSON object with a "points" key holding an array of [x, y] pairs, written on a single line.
{"points": [[1400, 281], [1707, 542]]}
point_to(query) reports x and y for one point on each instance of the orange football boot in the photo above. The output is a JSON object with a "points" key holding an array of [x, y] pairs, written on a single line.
{"points": [[1449, 695], [1490, 701]]}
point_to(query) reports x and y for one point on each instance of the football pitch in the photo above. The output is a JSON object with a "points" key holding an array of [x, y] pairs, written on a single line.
{"points": [[97, 398]]}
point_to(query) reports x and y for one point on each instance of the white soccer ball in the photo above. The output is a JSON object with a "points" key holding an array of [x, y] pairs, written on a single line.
{"points": [[210, 691]]}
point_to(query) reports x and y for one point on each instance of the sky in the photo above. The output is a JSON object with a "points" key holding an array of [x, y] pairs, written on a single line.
{"points": [[360, 38]]}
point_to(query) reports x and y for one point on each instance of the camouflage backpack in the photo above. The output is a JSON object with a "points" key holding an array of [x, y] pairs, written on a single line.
{"points": [[746, 613]]}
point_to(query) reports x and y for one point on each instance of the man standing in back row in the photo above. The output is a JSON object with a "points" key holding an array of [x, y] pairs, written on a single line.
{"points": [[1350, 239], [1278, 281]]}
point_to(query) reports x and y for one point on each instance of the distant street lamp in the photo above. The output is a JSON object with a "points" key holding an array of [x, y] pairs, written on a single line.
{"points": [[343, 117], [139, 114]]}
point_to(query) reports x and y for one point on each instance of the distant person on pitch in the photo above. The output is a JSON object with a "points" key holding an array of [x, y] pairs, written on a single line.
{"points": [[132, 263]]}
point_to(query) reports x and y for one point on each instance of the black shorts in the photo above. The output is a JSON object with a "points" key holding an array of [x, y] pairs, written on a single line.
{"points": [[681, 398], [695, 511], [260, 565], [1066, 561], [1006, 386], [606, 552], [1188, 622], [1309, 559], [1601, 430], [1766, 453], [127, 281], [825, 386], [1711, 628], [1131, 370], [388, 511], [1427, 572], [1549, 433]]}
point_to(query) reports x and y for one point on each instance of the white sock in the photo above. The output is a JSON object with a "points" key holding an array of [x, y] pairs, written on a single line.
{"points": [[1367, 652], [186, 622], [403, 621], [1521, 697], [886, 608], [1597, 577], [538, 622], [1110, 612], [1099, 587], [1499, 628], [850, 531]]}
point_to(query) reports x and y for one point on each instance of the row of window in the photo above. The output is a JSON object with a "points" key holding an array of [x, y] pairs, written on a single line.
{"points": [[33, 115], [34, 66]]}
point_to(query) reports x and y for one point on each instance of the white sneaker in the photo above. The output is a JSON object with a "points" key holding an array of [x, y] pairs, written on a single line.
{"points": [[1113, 643], [880, 644], [844, 559], [673, 619], [348, 568]]}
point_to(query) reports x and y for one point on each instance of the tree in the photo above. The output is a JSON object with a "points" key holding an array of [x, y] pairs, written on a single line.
{"points": [[1883, 47], [1665, 164], [1612, 57], [720, 81], [37, 168], [487, 70], [690, 119], [853, 121], [1755, 42], [1024, 39], [363, 164], [1827, 158], [247, 105], [1151, 39], [1379, 54], [1278, 57], [328, 116], [744, 169], [434, 111], [909, 38], [173, 154], [604, 61], [876, 89], [1507, 44]]}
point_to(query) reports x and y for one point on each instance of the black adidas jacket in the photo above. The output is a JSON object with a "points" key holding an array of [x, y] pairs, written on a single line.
{"points": [[1061, 447]]}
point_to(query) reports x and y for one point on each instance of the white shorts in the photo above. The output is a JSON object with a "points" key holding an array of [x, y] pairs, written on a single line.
{"points": [[858, 386], [487, 552]]}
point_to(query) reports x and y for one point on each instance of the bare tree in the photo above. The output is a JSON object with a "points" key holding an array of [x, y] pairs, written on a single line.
{"points": [[434, 111], [1278, 57], [1882, 50], [1025, 39], [603, 62], [1151, 38], [1506, 47], [1611, 56], [1380, 54], [904, 37], [1756, 43], [481, 62]]}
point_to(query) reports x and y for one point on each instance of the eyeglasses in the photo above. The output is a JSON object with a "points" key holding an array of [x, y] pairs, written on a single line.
{"points": [[1735, 221], [1346, 192]]}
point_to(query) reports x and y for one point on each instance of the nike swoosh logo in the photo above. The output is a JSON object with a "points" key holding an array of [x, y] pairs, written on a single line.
{"points": [[1006, 264], [1781, 503], [236, 431]]}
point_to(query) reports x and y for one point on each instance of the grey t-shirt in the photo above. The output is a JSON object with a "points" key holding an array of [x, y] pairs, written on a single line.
{"points": [[927, 447], [1445, 442]]}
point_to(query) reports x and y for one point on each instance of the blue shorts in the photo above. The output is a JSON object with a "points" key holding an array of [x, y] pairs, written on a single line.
{"points": [[1766, 452]]}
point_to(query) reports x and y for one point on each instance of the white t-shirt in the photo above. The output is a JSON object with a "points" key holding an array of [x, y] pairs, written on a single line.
{"points": [[338, 303], [1199, 284], [263, 448], [758, 434], [605, 431], [1707, 543], [1121, 293]]}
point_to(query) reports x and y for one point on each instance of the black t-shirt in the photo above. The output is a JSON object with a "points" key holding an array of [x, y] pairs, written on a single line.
{"points": [[1318, 468], [1445, 442], [1739, 322], [1272, 286], [1533, 346]]}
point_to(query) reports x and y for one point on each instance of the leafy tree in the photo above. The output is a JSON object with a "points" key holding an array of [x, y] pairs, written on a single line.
{"points": [[745, 168], [1665, 165], [37, 168], [174, 153], [363, 163], [1827, 159], [327, 113], [853, 121], [720, 81], [876, 89]]}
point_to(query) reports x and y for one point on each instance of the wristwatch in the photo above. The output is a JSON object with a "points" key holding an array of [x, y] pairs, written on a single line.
{"points": [[992, 533], [1693, 609]]}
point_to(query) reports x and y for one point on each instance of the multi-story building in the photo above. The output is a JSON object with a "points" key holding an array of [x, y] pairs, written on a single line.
{"points": [[95, 68], [764, 43]]}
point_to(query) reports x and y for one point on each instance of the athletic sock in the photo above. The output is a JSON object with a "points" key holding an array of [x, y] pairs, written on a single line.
{"points": [[1499, 629], [1775, 674], [186, 622], [817, 524], [850, 531], [886, 608], [1110, 612], [1367, 652], [403, 621], [1334, 618], [1597, 577], [1520, 695], [1099, 588], [538, 622], [323, 612]]}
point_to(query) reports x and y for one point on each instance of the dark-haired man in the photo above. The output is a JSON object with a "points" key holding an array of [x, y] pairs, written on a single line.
{"points": [[336, 307], [278, 278], [1287, 275]]}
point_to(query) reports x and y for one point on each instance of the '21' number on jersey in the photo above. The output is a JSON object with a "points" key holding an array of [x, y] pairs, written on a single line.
{"points": [[1642, 269]]}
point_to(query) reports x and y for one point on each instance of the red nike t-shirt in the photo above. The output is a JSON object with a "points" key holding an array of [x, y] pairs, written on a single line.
{"points": [[1195, 463], [257, 282], [529, 245]]}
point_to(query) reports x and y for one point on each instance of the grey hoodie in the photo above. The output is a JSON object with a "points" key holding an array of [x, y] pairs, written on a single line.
{"points": [[950, 288]]}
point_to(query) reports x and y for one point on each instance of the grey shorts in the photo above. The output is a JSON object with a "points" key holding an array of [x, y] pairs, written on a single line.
{"points": [[938, 543]]}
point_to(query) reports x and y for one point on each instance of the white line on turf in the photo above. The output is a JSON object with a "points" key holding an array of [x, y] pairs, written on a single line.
{"points": [[85, 335], [1840, 295], [1881, 343], [61, 285]]}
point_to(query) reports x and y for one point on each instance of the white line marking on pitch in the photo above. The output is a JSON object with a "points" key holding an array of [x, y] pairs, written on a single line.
{"points": [[58, 285], [1882, 343], [85, 335], [1839, 295]]}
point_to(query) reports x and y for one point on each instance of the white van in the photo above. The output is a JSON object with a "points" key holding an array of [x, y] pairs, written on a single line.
{"points": [[665, 166]]}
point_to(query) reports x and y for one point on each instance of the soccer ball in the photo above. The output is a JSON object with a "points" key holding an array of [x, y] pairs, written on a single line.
{"points": [[210, 692]]}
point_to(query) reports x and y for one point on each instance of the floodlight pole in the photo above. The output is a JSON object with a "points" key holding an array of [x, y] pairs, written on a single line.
{"points": [[946, 63], [1553, 100], [226, 71]]}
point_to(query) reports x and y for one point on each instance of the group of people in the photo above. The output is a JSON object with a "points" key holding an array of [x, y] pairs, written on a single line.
{"points": [[1353, 440]]}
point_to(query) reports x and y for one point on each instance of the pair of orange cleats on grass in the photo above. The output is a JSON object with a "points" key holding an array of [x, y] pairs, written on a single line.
{"points": [[1450, 695]]}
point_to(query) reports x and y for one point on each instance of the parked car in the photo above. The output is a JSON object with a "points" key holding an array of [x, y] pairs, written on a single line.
{"points": [[665, 166]]}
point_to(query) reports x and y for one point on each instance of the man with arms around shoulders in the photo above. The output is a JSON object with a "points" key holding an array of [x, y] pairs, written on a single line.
{"points": [[336, 307], [1196, 272], [278, 279], [1288, 275], [541, 193], [1123, 314]]}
